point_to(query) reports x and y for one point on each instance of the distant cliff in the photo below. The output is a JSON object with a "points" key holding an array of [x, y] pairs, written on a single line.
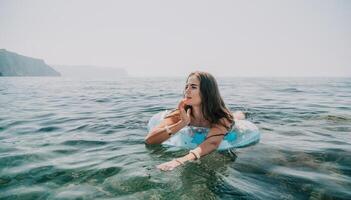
{"points": [[12, 64]]}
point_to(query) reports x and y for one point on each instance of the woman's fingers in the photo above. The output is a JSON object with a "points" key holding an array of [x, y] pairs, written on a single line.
{"points": [[181, 108], [184, 115], [181, 105], [168, 166], [163, 168]]}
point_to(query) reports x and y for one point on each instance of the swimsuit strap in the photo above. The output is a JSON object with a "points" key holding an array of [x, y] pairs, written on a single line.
{"points": [[215, 135]]}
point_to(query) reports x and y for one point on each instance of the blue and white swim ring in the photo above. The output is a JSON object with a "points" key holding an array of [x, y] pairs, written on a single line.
{"points": [[243, 133]]}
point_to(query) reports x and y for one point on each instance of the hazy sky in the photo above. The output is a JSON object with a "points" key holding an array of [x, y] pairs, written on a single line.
{"points": [[226, 38]]}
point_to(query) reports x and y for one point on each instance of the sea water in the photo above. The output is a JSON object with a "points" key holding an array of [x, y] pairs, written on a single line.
{"points": [[84, 139]]}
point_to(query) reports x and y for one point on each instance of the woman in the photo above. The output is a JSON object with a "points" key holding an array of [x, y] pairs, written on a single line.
{"points": [[202, 106]]}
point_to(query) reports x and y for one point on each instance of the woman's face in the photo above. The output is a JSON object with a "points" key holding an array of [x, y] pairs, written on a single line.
{"points": [[192, 91]]}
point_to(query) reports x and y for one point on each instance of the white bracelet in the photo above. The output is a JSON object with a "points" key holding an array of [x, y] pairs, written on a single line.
{"points": [[196, 154], [168, 130]]}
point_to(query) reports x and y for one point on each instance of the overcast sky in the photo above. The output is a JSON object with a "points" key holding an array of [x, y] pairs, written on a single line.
{"points": [[226, 38]]}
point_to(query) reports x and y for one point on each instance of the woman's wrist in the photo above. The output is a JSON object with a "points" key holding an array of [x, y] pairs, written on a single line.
{"points": [[188, 157], [191, 156], [183, 159], [195, 154], [184, 123]]}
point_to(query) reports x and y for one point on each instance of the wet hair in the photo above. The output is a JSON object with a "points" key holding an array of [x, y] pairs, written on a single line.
{"points": [[213, 107]]}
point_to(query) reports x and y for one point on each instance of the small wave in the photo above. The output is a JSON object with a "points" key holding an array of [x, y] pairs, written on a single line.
{"points": [[19, 122], [84, 143], [48, 129], [45, 115], [107, 132], [81, 127], [267, 129], [289, 90], [65, 151], [104, 100]]}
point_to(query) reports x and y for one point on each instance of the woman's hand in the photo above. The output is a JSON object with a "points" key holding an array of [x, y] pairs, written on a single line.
{"points": [[169, 166], [184, 115]]}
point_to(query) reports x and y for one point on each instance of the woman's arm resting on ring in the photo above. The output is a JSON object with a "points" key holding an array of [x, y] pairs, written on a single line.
{"points": [[159, 134]]}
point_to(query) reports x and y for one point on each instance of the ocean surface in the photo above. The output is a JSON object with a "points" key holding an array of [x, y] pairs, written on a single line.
{"points": [[84, 139]]}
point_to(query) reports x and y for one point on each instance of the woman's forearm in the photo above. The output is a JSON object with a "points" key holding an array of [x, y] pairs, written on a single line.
{"points": [[202, 150], [159, 135]]}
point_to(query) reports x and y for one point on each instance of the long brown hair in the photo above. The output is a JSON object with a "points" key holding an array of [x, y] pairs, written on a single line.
{"points": [[213, 107]]}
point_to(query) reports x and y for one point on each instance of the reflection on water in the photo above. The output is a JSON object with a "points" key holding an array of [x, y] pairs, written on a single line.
{"points": [[69, 139]]}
